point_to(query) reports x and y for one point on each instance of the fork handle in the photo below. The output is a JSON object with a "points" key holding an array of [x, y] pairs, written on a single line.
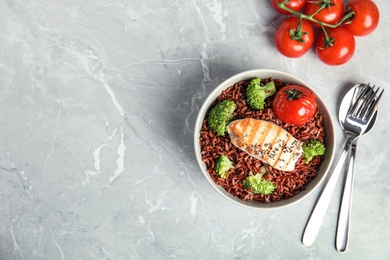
{"points": [[346, 205], [315, 220]]}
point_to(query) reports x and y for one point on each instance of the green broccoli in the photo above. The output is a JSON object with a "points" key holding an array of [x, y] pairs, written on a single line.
{"points": [[220, 116], [256, 93], [223, 165], [311, 149], [258, 185]]}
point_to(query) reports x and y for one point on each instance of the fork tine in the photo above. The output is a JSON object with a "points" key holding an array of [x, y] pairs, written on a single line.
{"points": [[373, 106], [363, 91], [370, 98]]}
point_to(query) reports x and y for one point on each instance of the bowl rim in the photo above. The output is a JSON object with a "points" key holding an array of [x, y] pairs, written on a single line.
{"points": [[330, 138]]}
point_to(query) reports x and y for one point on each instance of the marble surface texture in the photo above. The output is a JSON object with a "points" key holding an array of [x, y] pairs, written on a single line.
{"points": [[98, 101]]}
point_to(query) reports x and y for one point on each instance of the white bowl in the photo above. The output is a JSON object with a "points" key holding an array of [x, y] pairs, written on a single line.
{"points": [[329, 139]]}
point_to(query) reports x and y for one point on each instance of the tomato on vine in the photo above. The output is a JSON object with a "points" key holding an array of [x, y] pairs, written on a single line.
{"points": [[294, 37], [365, 17], [325, 11], [335, 46], [336, 42], [295, 5]]}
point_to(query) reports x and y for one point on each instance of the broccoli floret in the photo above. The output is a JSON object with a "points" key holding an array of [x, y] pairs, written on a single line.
{"points": [[258, 185], [256, 93], [220, 116], [311, 149], [223, 165]]}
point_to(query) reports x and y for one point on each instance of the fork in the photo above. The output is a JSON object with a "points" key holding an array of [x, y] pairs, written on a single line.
{"points": [[343, 226], [357, 120]]}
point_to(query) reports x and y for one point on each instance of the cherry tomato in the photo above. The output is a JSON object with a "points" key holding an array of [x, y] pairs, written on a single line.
{"points": [[294, 104], [338, 48], [295, 5], [365, 19], [330, 14], [293, 40]]}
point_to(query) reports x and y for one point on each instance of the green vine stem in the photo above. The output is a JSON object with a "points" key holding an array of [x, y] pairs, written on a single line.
{"points": [[347, 17], [328, 41], [297, 34]]}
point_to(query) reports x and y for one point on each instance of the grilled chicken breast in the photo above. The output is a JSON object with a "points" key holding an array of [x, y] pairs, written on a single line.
{"points": [[267, 142]]}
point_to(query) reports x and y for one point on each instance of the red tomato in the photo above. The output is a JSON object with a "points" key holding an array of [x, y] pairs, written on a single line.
{"points": [[292, 41], [338, 49], [365, 19], [295, 5], [331, 13], [294, 104]]}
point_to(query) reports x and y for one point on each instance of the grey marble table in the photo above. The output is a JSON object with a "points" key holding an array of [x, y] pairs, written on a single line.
{"points": [[98, 101]]}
